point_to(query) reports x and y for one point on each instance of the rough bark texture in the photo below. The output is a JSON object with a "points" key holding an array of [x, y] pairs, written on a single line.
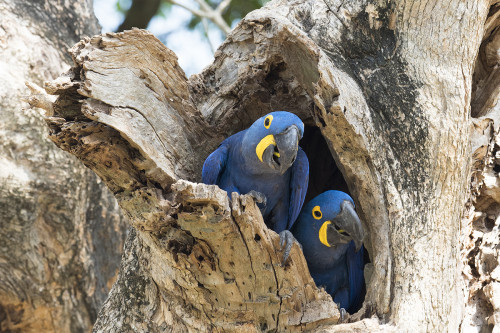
{"points": [[61, 232], [387, 87], [481, 223], [203, 262]]}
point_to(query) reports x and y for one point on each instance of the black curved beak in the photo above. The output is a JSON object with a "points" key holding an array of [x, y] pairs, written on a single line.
{"points": [[285, 152], [349, 224]]}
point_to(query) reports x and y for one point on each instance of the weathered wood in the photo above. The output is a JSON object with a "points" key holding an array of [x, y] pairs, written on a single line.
{"points": [[389, 87], [162, 123], [480, 225], [61, 232], [222, 262], [401, 143]]}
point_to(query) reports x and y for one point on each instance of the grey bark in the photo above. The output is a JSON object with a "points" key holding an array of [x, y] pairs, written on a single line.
{"points": [[481, 223], [61, 232], [389, 88]]}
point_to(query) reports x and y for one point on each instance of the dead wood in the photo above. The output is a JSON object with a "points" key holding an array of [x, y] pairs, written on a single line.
{"points": [[394, 115]]}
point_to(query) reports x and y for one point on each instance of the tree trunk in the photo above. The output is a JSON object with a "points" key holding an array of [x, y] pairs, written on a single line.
{"points": [[480, 234], [385, 91], [61, 232]]}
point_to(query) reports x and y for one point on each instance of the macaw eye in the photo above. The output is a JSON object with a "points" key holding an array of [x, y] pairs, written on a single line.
{"points": [[316, 212], [268, 121]]}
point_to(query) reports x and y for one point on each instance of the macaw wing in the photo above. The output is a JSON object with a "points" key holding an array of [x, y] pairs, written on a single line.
{"points": [[299, 179], [214, 165], [355, 265]]}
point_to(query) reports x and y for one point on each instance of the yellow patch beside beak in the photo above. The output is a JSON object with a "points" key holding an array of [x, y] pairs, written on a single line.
{"points": [[322, 233], [263, 144]]}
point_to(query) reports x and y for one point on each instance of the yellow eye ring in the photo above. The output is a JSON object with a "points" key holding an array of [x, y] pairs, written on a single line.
{"points": [[316, 213], [268, 121]]}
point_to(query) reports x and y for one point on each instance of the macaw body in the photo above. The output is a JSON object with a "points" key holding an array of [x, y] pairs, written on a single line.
{"points": [[331, 235], [240, 179], [264, 158], [343, 279]]}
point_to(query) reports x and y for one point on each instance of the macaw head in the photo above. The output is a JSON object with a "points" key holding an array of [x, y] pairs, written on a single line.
{"points": [[272, 141], [332, 215]]}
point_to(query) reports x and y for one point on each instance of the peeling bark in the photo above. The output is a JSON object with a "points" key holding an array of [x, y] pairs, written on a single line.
{"points": [[214, 266], [387, 87], [208, 261], [481, 224]]}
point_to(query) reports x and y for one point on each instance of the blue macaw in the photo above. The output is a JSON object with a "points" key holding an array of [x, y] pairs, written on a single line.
{"points": [[264, 159], [331, 236]]}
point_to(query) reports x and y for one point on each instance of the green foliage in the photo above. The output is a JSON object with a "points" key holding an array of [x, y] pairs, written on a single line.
{"points": [[164, 10], [123, 5], [234, 12], [239, 8]]}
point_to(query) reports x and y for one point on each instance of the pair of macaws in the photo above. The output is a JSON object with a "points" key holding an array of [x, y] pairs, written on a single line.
{"points": [[266, 161]]}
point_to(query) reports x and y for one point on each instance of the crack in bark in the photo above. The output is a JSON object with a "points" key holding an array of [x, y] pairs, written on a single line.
{"points": [[149, 123], [279, 312], [335, 14], [246, 245], [277, 289], [371, 127]]}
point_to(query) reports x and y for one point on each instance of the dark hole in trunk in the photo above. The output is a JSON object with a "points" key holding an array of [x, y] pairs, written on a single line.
{"points": [[324, 175], [323, 172]]}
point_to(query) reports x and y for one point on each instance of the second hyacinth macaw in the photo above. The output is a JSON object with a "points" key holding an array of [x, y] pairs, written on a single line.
{"points": [[331, 236]]}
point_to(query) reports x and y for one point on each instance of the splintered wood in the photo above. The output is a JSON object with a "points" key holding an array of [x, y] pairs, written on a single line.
{"points": [[389, 92], [127, 115]]}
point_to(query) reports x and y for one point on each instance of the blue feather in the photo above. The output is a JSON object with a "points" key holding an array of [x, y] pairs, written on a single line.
{"points": [[261, 158], [336, 265], [214, 165], [298, 187]]}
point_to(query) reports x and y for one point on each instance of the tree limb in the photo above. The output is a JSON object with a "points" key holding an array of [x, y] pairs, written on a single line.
{"points": [[220, 250], [135, 120], [140, 14], [214, 15]]}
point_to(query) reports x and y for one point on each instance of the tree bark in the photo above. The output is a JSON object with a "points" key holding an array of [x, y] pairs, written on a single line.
{"points": [[61, 231], [387, 87], [480, 235]]}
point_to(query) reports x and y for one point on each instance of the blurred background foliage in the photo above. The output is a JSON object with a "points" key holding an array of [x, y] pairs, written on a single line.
{"points": [[236, 10], [193, 29]]}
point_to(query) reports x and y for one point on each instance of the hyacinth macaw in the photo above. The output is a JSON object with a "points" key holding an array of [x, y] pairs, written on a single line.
{"points": [[331, 236], [265, 159]]}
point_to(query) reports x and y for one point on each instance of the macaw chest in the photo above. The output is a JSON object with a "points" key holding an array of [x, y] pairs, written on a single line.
{"points": [[274, 186], [322, 258], [332, 278]]}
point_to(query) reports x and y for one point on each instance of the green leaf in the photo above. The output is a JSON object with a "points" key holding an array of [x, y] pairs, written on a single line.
{"points": [[123, 5]]}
